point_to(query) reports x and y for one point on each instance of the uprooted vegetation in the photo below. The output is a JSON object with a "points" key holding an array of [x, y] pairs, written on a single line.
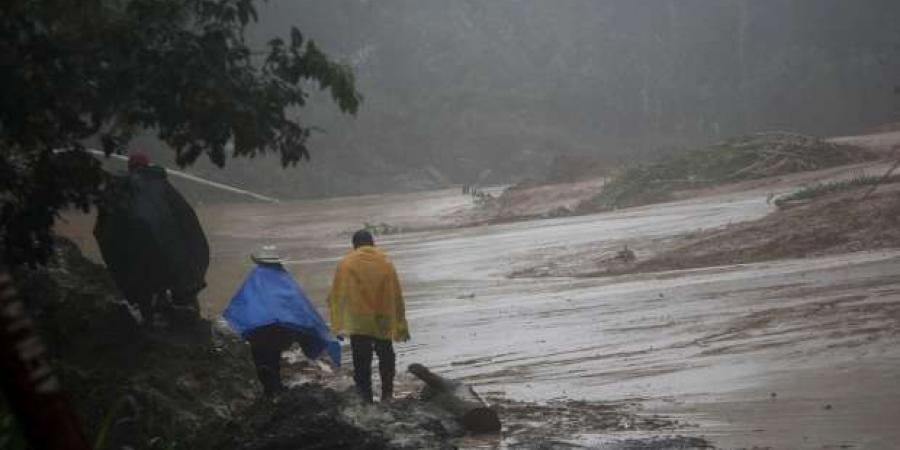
{"points": [[813, 191], [739, 159]]}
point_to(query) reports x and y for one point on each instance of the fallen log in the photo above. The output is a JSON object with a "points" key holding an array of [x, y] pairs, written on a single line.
{"points": [[458, 399]]}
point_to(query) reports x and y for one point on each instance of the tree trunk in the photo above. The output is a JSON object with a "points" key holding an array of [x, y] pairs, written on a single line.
{"points": [[458, 399]]}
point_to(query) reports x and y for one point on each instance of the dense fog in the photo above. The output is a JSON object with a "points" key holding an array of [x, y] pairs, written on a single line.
{"points": [[492, 91]]}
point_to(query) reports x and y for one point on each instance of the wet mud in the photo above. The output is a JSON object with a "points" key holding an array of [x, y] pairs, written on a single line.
{"points": [[411, 422], [836, 224], [583, 424], [706, 347], [302, 417]]}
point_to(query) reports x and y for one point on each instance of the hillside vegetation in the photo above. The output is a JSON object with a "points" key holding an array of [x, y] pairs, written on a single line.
{"points": [[738, 159]]}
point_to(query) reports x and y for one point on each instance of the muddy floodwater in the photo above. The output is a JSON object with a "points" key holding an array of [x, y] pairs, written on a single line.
{"points": [[787, 354]]}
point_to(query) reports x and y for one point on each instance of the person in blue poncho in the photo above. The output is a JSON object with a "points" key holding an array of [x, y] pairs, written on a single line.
{"points": [[271, 311]]}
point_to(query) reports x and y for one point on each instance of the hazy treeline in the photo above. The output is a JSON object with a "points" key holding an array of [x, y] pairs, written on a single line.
{"points": [[457, 91]]}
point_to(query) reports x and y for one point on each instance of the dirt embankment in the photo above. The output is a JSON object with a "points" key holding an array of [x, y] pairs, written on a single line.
{"points": [[532, 201], [739, 163], [149, 388], [832, 224], [310, 416]]}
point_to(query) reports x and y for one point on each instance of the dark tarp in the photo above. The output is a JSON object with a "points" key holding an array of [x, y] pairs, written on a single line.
{"points": [[150, 237]]}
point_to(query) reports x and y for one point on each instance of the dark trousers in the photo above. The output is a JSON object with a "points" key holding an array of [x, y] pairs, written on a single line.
{"points": [[362, 348], [266, 345]]}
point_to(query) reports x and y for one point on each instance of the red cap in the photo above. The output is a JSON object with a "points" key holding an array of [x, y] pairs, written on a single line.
{"points": [[138, 159]]}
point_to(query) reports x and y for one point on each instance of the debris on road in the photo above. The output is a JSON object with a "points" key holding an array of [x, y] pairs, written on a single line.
{"points": [[459, 399]]}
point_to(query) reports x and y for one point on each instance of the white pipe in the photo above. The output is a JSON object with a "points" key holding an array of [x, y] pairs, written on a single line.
{"points": [[197, 179]]}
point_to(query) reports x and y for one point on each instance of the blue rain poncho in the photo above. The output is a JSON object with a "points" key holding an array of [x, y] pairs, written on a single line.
{"points": [[269, 296]]}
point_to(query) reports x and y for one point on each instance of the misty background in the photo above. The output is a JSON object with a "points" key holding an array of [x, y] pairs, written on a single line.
{"points": [[470, 91]]}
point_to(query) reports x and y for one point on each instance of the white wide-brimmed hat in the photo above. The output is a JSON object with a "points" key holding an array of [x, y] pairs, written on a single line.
{"points": [[267, 254]]}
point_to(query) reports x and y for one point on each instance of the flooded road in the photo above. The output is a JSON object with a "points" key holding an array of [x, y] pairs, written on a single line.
{"points": [[788, 354], [712, 345]]}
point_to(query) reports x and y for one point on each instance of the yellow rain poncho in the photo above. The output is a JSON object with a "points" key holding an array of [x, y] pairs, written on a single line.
{"points": [[365, 297]]}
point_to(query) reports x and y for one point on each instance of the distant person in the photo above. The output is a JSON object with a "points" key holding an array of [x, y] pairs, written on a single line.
{"points": [[367, 304], [152, 243], [271, 311]]}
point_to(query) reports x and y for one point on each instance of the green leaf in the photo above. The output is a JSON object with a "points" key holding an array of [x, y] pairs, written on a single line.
{"points": [[180, 68]]}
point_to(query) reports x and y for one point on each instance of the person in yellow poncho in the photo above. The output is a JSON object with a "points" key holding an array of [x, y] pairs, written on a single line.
{"points": [[366, 303]]}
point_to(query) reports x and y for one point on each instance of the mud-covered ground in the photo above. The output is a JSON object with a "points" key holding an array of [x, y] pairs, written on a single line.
{"points": [[408, 422], [788, 353], [834, 224], [193, 386], [530, 202], [706, 347], [837, 223]]}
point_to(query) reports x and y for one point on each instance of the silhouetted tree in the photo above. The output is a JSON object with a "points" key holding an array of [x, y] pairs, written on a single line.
{"points": [[106, 69]]}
